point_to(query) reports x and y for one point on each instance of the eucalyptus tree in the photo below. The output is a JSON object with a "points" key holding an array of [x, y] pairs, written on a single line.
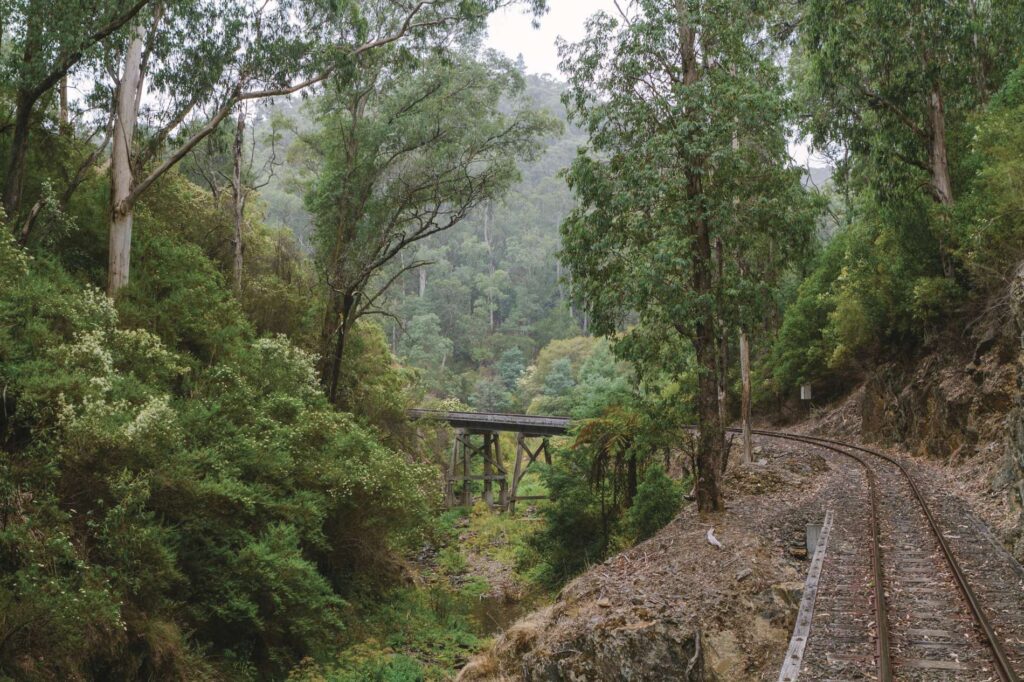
{"points": [[234, 52], [239, 159], [685, 177], [894, 83], [409, 146], [198, 60], [44, 41]]}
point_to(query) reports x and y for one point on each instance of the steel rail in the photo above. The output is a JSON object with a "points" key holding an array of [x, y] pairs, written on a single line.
{"points": [[1003, 666], [882, 641]]}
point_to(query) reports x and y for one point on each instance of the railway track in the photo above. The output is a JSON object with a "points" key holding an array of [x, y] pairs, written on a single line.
{"points": [[897, 594]]}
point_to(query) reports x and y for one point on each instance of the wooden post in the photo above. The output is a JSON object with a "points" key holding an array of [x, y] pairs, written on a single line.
{"points": [[503, 481], [517, 472], [488, 469], [467, 493], [748, 447], [449, 483]]}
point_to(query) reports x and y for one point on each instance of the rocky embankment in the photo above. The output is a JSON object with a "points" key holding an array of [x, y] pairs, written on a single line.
{"points": [[962, 406], [676, 607], [1014, 456]]}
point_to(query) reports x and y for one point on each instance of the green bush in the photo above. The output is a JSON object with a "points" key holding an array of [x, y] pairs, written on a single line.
{"points": [[657, 501], [175, 485], [579, 524]]}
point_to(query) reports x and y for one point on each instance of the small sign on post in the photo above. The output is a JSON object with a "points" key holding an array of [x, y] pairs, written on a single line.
{"points": [[805, 392]]}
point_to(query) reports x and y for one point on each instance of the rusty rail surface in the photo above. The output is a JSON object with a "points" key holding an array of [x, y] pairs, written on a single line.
{"points": [[1003, 666]]}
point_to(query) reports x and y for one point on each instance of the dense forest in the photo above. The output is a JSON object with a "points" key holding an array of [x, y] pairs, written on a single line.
{"points": [[240, 239]]}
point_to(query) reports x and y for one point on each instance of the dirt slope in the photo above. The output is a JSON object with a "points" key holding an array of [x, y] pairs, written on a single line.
{"points": [[676, 607]]}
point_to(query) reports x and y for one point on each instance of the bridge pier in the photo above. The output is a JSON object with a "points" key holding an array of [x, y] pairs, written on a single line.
{"points": [[459, 475], [523, 448], [458, 484]]}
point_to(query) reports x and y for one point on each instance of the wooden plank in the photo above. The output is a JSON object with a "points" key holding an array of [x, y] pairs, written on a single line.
{"points": [[926, 664], [492, 421], [802, 630]]}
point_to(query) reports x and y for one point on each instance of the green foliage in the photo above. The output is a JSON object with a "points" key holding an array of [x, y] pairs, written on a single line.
{"points": [[424, 346], [217, 492], [878, 286], [418, 635], [801, 352], [556, 394], [494, 282], [933, 298], [688, 206], [489, 395], [511, 366], [890, 86], [657, 501], [386, 178], [991, 217], [596, 500], [603, 381], [179, 295], [578, 524]]}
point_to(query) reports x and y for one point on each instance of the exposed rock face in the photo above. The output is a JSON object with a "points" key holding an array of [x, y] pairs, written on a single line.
{"points": [[963, 407], [947, 408], [1014, 468]]}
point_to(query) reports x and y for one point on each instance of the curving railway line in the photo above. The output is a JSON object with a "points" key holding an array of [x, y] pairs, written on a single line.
{"points": [[898, 600], [911, 587]]}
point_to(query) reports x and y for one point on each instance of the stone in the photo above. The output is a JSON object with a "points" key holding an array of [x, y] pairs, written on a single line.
{"points": [[723, 656], [788, 594], [745, 573]]}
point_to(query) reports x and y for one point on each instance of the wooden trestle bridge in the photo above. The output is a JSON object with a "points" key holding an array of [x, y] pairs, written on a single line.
{"points": [[476, 435]]}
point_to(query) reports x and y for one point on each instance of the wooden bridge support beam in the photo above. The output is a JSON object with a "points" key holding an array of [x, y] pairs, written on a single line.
{"points": [[460, 477], [524, 458]]}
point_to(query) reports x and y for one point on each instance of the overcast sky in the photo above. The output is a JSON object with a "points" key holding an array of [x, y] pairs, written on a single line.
{"points": [[510, 31]]}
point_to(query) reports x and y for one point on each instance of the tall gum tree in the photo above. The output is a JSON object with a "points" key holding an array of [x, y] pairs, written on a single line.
{"points": [[409, 147], [894, 83], [44, 41], [246, 50], [687, 159]]}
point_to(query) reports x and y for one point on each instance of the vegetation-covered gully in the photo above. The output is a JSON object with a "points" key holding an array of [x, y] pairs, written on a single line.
{"points": [[404, 340]]}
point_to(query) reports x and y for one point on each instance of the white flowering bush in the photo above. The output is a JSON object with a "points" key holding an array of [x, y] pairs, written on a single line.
{"points": [[179, 483]]}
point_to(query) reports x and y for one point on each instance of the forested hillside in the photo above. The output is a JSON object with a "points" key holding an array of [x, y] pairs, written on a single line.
{"points": [[239, 240], [490, 290], [493, 294], [181, 496]]}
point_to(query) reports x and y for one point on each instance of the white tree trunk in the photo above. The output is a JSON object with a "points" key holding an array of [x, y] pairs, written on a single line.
{"points": [[941, 182], [238, 198], [121, 178], [64, 115], [423, 281], [745, 408]]}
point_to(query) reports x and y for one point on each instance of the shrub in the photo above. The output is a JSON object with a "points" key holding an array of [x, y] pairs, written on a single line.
{"points": [[578, 523], [171, 484], [657, 500]]}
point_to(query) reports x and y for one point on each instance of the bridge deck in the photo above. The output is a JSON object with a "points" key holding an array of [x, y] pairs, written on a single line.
{"points": [[490, 421]]}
